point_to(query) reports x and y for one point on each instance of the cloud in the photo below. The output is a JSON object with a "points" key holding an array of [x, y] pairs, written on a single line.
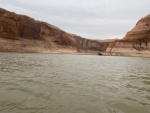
{"points": [[95, 19]]}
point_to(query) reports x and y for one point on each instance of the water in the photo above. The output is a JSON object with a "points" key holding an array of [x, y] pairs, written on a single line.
{"points": [[50, 83]]}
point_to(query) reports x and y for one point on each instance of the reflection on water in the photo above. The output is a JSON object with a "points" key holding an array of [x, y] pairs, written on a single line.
{"points": [[48, 83]]}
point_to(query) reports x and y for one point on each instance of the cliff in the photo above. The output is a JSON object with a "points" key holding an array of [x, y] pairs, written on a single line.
{"points": [[90, 46], [20, 33], [135, 43]]}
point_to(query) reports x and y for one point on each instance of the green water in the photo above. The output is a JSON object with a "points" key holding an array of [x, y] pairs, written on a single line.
{"points": [[51, 83]]}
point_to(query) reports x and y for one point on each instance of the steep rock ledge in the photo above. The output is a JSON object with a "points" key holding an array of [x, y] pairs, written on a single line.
{"points": [[20, 33], [90, 46], [135, 43]]}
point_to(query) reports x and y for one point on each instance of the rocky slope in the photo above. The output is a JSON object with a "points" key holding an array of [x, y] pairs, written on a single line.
{"points": [[20, 33], [90, 46], [135, 43]]}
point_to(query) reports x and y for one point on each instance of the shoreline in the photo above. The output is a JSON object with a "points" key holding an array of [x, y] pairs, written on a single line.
{"points": [[52, 52], [78, 53], [129, 54]]}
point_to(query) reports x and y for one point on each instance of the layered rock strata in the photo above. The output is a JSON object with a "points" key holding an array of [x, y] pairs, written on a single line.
{"points": [[135, 43], [91, 46], [20, 33]]}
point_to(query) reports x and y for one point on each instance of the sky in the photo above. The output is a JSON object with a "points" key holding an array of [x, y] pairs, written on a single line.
{"points": [[93, 19]]}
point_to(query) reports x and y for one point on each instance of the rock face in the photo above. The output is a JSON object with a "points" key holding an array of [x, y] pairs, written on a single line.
{"points": [[20, 33], [87, 45], [136, 42], [141, 31]]}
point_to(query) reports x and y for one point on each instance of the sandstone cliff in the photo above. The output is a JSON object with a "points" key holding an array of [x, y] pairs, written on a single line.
{"points": [[20, 33], [91, 46], [135, 43]]}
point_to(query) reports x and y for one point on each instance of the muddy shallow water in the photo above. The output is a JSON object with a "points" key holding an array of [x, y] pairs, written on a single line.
{"points": [[59, 83]]}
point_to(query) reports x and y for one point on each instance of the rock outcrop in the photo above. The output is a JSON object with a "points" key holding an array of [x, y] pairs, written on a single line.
{"points": [[20, 33], [135, 43], [91, 46]]}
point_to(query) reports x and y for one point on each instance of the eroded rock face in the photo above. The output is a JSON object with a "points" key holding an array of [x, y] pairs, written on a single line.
{"points": [[17, 30], [15, 26], [136, 41], [141, 31], [20, 33], [87, 45]]}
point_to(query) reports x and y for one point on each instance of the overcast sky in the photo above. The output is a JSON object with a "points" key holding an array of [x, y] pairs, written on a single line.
{"points": [[94, 19]]}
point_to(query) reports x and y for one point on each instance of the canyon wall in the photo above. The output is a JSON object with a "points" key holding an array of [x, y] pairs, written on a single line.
{"points": [[20, 33], [93, 46], [135, 43]]}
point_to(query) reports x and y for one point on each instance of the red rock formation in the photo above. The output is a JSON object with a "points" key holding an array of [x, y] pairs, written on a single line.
{"points": [[91, 46], [141, 31], [136, 41], [20, 33], [24, 34]]}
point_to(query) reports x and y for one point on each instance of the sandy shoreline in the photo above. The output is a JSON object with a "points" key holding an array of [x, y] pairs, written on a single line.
{"points": [[129, 54], [74, 52]]}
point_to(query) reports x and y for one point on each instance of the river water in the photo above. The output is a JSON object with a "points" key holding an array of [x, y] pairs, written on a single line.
{"points": [[59, 83]]}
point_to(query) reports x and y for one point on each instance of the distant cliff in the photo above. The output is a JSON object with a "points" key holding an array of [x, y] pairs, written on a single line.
{"points": [[87, 45], [20, 33], [136, 42]]}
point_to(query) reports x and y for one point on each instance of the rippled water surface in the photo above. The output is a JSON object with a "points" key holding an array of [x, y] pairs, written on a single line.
{"points": [[49, 83]]}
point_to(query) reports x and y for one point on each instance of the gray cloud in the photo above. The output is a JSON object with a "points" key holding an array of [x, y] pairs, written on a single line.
{"points": [[95, 19]]}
